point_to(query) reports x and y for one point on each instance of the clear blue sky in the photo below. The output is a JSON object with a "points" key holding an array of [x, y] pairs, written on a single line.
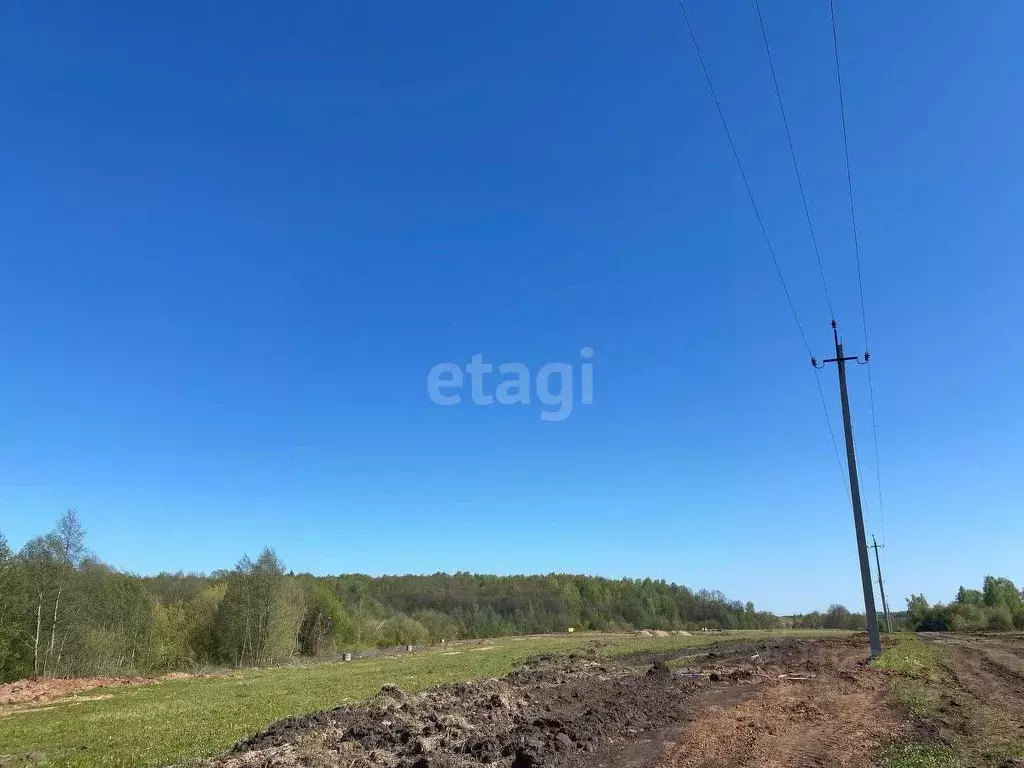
{"points": [[236, 237]]}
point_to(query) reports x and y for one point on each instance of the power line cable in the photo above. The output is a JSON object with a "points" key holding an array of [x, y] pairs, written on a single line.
{"points": [[760, 221], [807, 216], [743, 175], [792, 154], [831, 432], [856, 251], [849, 176], [878, 470]]}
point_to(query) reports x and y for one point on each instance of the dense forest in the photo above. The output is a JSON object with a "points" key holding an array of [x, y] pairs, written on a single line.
{"points": [[997, 606], [63, 612]]}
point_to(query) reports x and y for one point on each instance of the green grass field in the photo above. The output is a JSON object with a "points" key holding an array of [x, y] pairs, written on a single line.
{"points": [[175, 720]]}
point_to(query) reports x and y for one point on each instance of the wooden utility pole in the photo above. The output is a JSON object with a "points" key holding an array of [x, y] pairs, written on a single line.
{"points": [[881, 586], [858, 513]]}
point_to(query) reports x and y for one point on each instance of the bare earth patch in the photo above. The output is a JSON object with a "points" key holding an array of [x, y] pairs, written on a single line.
{"points": [[43, 689], [829, 710], [981, 704], [32, 693]]}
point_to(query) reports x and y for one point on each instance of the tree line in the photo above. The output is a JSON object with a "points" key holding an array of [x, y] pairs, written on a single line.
{"points": [[997, 606], [836, 617], [63, 612]]}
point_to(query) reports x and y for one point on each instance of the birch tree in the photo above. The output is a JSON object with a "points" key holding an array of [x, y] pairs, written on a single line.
{"points": [[42, 565], [259, 618], [51, 562]]}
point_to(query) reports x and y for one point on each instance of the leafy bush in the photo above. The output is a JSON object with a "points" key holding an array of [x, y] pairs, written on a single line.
{"points": [[998, 607], [401, 630], [1000, 619]]}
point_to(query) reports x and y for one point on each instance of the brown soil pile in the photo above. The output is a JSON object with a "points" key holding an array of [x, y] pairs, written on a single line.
{"points": [[553, 712]]}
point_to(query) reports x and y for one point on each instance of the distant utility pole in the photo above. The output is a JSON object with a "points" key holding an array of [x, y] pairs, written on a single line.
{"points": [[881, 586], [858, 513]]}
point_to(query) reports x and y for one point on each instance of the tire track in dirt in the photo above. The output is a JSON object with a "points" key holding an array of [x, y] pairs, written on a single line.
{"points": [[982, 708]]}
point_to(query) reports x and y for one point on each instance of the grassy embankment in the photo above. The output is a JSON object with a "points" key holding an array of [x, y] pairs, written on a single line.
{"points": [[176, 720]]}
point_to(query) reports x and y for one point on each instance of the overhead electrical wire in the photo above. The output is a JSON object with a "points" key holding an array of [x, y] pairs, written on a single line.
{"points": [[760, 221], [831, 432], [849, 175], [792, 155], [743, 175], [856, 251], [807, 216]]}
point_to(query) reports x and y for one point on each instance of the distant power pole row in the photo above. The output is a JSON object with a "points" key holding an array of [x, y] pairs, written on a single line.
{"points": [[881, 585]]}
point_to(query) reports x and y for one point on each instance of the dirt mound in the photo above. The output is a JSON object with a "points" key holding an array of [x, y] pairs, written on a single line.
{"points": [[780, 651], [724, 703], [552, 712], [660, 669]]}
